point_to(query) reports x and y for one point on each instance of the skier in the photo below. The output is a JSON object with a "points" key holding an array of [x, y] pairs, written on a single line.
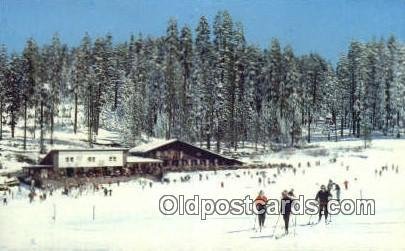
{"points": [[330, 185], [322, 197], [31, 196], [346, 183], [286, 203], [337, 188], [4, 199], [261, 201]]}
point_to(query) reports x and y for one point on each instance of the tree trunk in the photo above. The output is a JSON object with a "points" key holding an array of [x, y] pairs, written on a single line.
{"points": [[42, 148], [1, 119], [52, 122], [89, 117], [25, 124], [75, 119], [35, 122], [358, 126], [309, 125], [353, 123], [336, 133], [116, 95], [218, 138]]}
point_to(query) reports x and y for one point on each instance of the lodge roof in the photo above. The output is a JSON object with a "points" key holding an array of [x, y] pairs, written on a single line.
{"points": [[88, 149], [137, 159], [156, 144], [143, 148]]}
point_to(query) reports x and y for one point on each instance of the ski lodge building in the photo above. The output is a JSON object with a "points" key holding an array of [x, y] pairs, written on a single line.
{"points": [[177, 155], [153, 158]]}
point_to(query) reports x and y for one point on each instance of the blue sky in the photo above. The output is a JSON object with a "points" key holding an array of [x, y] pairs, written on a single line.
{"points": [[323, 26]]}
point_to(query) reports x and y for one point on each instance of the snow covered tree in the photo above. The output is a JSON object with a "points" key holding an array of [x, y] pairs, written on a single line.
{"points": [[186, 59], [135, 93], [289, 98], [203, 91], [13, 91], [274, 78], [30, 79], [172, 69], [314, 73], [209, 89], [241, 105], [54, 64], [3, 75]]}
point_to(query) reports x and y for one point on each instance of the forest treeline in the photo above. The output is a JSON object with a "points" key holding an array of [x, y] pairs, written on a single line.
{"points": [[208, 85]]}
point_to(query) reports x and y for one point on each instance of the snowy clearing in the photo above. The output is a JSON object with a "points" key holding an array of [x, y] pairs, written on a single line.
{"points": [[130, 218]]}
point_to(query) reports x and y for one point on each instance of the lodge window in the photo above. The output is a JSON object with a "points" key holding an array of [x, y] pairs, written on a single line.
{"points": [[69, 159], [113, 158]]}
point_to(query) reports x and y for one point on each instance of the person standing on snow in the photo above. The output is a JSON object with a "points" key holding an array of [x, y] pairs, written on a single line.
{"points": [[346, 183], [337, 188], [286, 204], [322, 197], [330, 185], [261, 201]]}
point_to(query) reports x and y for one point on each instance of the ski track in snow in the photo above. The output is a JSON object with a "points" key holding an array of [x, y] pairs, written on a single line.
{"points": [[130, 219]]}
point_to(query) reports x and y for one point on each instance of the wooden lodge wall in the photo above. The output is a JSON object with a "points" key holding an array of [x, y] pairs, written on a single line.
{"points": [[182, 154]]}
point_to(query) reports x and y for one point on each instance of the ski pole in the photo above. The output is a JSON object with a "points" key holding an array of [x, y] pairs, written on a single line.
{"points": [[309, 221], [254, 225], [275, 226], [295, 223]]}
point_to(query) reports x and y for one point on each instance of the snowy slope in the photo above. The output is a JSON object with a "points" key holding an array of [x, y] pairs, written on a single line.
{"points": [[130, 219]]}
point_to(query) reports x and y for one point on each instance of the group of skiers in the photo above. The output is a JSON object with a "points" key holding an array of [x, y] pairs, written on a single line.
{"points": [[287, 201], [385, 168]]}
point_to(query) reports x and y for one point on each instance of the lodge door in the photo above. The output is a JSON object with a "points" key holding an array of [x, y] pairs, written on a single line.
{"points": [[69, 172]]}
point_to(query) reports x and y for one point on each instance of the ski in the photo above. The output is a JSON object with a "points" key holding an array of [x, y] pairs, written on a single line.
{"points": [[243, 230], [309, 224], [261, 236], [277, 237]]}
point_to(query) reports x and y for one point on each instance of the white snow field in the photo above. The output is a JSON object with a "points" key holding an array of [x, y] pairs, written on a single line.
{"points": [[130, 218]]}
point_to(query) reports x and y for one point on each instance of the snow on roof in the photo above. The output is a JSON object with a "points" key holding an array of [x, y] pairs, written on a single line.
{"points": [[90, 149], [136, 159], [151, 145]]}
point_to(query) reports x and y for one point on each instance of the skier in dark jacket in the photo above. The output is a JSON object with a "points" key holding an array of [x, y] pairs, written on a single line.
{"points": [[323, 198], [286, 204]]}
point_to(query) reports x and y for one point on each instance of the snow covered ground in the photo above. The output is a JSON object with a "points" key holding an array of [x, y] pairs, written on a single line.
{"points": [[130, 218]]}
